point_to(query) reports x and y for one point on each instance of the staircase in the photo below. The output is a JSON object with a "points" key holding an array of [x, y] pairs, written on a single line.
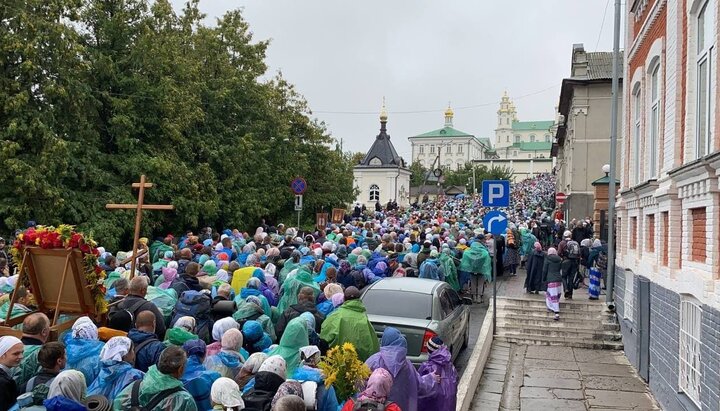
{"points": [[582, 324]]}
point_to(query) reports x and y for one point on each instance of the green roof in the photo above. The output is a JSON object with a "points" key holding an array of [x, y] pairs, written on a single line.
{"points": [[445, 132], [533, 146], [543, 126], [484, 141], [604, 180]]}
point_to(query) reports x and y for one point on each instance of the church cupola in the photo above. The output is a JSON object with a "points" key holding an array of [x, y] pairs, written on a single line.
{"points": [[449, 114]]}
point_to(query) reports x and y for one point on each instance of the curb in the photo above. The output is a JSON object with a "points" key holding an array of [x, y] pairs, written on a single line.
{"points": [[476, 364]]}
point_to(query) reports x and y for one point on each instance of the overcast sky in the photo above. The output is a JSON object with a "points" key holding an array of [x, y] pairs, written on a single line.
{"points": [[344, 56]]}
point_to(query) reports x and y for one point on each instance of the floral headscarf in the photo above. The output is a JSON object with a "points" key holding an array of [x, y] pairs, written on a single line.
{"points": [[287, 388], [378, 386], [84, 329]]}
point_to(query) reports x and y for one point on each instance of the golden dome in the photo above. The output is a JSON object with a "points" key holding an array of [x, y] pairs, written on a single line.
{"points": [[449, 112], [383, 112]]}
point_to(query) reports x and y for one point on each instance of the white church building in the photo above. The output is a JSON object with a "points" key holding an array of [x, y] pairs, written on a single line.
{"points": [[382, 175]]}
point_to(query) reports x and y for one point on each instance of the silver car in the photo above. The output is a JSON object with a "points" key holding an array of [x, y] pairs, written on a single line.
{"points": [[420, 309]]}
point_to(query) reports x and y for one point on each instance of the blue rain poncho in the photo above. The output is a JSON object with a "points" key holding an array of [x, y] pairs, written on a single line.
{"points": [[83, 355], [114, 376], [198, 381]]}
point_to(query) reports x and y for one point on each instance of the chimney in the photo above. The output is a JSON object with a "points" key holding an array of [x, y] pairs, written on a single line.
{"points": [[579, 61]]}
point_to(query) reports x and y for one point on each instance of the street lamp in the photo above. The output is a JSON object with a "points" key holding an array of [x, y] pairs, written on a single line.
{"points": [[606, 169]]}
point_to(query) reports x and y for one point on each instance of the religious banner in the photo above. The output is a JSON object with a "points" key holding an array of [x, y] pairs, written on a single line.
{"points": [[338, 215], [321, 220]]}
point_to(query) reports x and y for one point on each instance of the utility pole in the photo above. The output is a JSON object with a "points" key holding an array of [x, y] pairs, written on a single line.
{"points": [[609, 296]]}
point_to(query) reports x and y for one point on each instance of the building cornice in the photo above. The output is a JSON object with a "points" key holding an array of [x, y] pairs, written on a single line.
{"points": [[645, 29]]}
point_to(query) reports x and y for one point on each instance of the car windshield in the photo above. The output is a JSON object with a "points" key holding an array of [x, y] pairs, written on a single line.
{"points": [[398, 304]]}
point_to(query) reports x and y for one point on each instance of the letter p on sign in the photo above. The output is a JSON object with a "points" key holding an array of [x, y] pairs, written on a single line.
{"points": [[496, 193]]}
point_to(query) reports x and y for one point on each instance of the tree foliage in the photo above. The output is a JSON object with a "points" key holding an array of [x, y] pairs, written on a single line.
{"points": [[94, 93], [464, 176]]}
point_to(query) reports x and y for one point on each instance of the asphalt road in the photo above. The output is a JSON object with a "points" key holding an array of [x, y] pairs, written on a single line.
{"points": [[477, 314]]}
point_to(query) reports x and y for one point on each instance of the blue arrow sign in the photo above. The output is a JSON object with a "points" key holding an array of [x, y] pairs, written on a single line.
{"points": [[496, 193], [495, 222]]}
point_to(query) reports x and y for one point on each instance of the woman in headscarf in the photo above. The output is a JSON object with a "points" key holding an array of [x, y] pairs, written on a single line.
{"points": [[255, 338], [208, 268], [230, 358], [376, 391], [181, 332], [197, 379], [290, 265], [313, 337], [291, 287], [326, 307], [83, 348], [255, 308], [168, 275], [308, 371], [408, 385], [250, 368], [343, 276], [294, 337], [552, 276], [444, 396], [270, 280], [219, 329], [268, 379], [225, 395], [285, 389], [264, 289], [512, 250], [534, 265], [67, 389], [117, 360]]}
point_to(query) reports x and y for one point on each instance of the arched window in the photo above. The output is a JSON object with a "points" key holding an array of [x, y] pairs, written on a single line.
{"points": [[532, 138], [654, 120], [517, 139], [705, 57], [547, 138], [374, 193], [636, 133]]}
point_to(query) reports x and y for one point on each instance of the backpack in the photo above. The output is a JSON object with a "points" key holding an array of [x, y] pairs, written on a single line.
{"points": [[121, 317], [572, 249], [370, 405], [602, 260], [154, 401], [195, 304]]}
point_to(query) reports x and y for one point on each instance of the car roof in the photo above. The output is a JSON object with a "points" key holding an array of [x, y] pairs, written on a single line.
{"points": [[408, 284]]}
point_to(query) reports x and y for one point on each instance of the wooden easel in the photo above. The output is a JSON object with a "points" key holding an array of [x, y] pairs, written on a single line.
{"points": [[142, 185]]}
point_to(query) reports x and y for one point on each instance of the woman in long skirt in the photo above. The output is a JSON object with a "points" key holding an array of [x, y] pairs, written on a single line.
{"points": [[512, 253], [553, 278]]}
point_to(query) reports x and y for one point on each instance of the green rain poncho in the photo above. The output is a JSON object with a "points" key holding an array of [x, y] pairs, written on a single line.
{"points": [[476, 260], [291, 287], [28, 367], [157, 249], [287, 269], [528, 242], [153, 383], [448, 266], [164, 300], [246, 310], [349, 323], [294, 338], [178, 336]]}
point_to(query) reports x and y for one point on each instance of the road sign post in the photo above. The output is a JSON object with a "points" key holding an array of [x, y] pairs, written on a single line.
{"points": [[298, 187], [560, 198], [495, 193]]}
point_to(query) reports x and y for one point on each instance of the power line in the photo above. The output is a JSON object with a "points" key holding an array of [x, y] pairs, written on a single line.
{"points": [[597, 43], [374, 112]]}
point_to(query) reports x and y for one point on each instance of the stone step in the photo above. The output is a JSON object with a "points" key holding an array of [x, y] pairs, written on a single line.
{"points": [[559, 341], [542, 312], [545, 331], [574, 305], [565, 322]]}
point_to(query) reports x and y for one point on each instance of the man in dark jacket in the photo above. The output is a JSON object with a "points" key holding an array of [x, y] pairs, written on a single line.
{"points": [[135, 303], [306, 303], [147, 345], [222, 305], [424, 253], [188, 280]]}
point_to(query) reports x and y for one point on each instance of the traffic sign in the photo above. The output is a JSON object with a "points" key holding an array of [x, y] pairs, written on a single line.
{"points": [[560, 198], [298, 186], [298, 202], [495, 222], [496, 193]]}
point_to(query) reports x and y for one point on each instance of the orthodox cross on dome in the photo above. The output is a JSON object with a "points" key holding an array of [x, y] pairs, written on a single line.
{"points": [[449, 113], [141, 186], [383, 119]]}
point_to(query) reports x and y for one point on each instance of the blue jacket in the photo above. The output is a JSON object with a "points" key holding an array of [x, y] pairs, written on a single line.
{"points": [[114, 377], [198, 381], [150, 353]]}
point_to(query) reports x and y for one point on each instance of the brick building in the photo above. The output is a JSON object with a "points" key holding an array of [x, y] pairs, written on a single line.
{"points": [[668, 230]]}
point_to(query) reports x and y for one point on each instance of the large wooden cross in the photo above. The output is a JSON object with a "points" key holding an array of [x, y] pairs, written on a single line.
{"points": [[142, 185]]}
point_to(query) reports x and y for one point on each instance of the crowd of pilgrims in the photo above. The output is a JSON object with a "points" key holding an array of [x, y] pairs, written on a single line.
{"points": [[237, 321]]}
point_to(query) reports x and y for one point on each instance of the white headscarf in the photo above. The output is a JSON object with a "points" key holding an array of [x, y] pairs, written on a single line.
{"points": [[254, 362], [186, 322], [223, 325], [69, 384], [7, 342], [115, 349], [85, 329], [226, 392], [222, 275]]}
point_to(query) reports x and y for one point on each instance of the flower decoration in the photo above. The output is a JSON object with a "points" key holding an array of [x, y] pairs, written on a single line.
{"points": [[344, 371], [65, 236]]}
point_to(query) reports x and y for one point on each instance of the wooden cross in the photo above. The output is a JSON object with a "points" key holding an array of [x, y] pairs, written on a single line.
{"points": [[142, 185]]}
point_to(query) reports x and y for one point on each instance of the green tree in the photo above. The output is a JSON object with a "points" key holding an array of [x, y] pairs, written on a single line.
{"points": [[418, 174], [464, 176]]}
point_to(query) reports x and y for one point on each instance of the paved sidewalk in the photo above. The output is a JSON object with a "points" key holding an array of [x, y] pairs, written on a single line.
{"points": [[544, 378]]}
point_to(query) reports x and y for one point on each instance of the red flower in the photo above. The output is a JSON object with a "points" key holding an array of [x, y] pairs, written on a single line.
{"points": [[85, 248], [98, 270]]}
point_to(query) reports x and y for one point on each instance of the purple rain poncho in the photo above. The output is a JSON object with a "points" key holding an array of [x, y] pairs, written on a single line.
{"points": [[444, 395], [408, 385]]}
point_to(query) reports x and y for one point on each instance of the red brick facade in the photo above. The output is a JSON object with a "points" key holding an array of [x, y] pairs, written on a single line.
{"points": [[698, 245], [650, 239]]}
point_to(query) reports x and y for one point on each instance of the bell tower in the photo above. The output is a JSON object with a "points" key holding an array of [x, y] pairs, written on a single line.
{"points": [[505, 117]]}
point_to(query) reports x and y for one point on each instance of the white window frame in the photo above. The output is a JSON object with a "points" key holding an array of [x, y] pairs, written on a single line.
{"points": [[449, 149], [547, 138], [629, 299], [421, 149], [689, 375], [460, 150], [704, 20], [654, 120], [532, 138], [432, 148], [637, 131], [517, 138], [374, 192]]}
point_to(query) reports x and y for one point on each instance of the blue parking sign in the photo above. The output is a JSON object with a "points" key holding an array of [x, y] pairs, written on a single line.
{"points": [[496, 193]]}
